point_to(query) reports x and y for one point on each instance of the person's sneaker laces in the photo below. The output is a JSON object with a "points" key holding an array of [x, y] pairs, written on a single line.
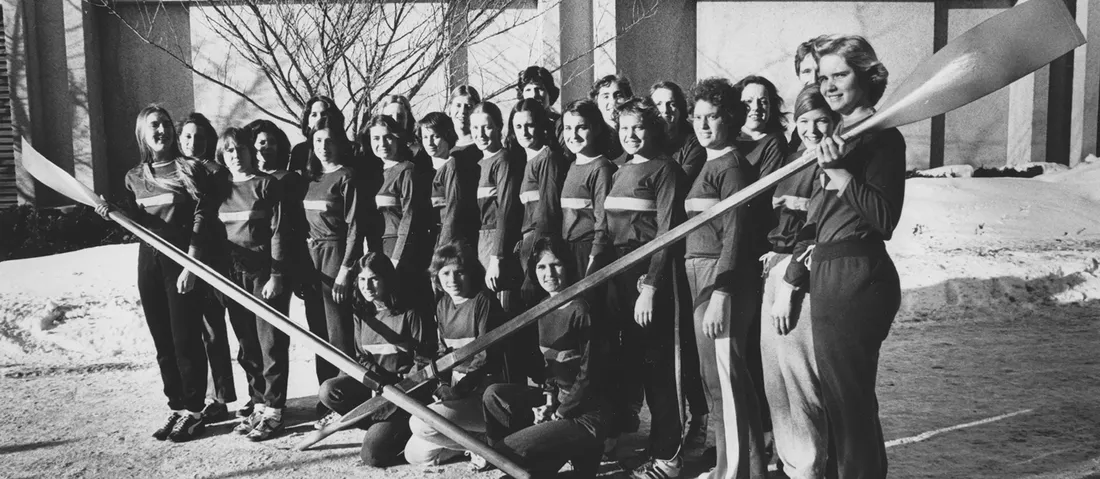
{"points": [[247, 424], [187, 428], [267, 427], [162, 433], [658, 469], [478, 463], [326, 420], [215, 412]]}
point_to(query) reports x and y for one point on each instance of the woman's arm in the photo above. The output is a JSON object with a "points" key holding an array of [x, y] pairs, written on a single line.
{"points": [[600, 186], [549, 177], [409, 190]]}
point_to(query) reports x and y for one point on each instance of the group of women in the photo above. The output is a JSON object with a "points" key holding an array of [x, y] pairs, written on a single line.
{"points": [[483, 212]]}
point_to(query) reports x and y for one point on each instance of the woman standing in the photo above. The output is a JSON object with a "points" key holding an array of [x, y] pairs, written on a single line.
{"points": [[168, 194], [540, 192], [317, 107], [724, 278], [252, 214], [683, 146], [609, 92], [332, 207], [454, 188], [786, 338], [388, 340], [462, 102], [643, 204], [856, 290], [567, 418], [585, 188], [199, 140]]}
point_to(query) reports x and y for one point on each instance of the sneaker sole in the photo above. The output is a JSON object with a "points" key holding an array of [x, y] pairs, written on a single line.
{"points": [[194, 434]]}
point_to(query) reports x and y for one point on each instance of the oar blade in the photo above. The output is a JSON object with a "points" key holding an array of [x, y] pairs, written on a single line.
{"points": [[53, 176], [988, 57]]}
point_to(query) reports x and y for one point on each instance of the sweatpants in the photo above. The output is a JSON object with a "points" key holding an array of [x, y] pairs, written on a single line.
{"points": [[646, 360], [542, 449], [791, 381], [691, 377], [175, 323], [856, 293], [428, 446], [738, 434], [215, 336], [326, 318], [264, 350], [384, 436]]}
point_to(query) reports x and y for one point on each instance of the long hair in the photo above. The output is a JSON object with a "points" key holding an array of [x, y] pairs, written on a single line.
{"points": [[543, 127], [560, 249], [330, 110], [810, 99], [858, 54], [588, 110], [185, 169], [441, 124], [396, 131], [206, 129], [724, 96], [382, 267], [777, 120], [646, 111], [335, 127], [242, 138], [462, 255], [491, 109], [282, 143], [539, 76], [678, 100]]}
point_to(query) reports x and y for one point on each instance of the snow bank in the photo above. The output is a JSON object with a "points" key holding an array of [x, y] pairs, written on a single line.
{"points": [[965, 248]]}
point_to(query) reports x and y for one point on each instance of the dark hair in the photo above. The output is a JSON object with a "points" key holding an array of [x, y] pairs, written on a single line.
{"points": [[858, 54], [542, 122], [390, 124], [269, 128], [539, 76], [459, 254], [410, 122], [621, 81], [724, 96], [810, 99], [207, 131], [644, 109], [187, 168], [242, 137], [441, 124], [491, 109], [560, 249], [330, 110], [807, 47], [588, 110], [335, 126], [777, 120], [382, 267], [678, 99]]}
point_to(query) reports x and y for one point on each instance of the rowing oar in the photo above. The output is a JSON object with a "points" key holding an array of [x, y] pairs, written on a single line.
{"points": [[51, 175], [983, 60]]}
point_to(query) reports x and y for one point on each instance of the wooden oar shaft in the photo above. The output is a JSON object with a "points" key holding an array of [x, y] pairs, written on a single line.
{"points": [[322, 348], [445, 363]]}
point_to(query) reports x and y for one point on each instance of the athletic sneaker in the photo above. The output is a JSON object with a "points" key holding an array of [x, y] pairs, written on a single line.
{"points": [[246, 410], [246, 424], [162, 432], [187, 428], [478, 463], [658, 469], [267, 427], [215, 412], [329, 418]]}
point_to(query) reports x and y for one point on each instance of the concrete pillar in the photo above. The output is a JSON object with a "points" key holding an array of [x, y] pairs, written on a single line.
{"points": [[456, 66], [656, 43], [20, 37], [577, 55], [85, 91], [1085, 109], [1027, 118], [940, 28]]}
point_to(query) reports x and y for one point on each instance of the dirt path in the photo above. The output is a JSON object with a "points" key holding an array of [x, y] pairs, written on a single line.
{"points": [[933, 376]]}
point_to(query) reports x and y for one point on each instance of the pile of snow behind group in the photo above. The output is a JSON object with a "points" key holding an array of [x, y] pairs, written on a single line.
{"points": [[966, 248]]}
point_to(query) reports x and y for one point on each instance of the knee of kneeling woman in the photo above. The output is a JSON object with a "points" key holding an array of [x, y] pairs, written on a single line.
{"points": [[421, 452], [420, 428]]}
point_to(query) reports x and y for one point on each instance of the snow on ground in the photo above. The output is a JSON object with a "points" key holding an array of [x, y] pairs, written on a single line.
{"points": [[965, 246]]}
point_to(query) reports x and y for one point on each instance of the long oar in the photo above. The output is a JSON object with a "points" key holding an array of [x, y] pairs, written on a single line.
{"points": [[53, 176], [985, 59]]}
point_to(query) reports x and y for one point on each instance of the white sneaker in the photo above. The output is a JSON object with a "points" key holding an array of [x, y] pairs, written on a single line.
{"points": [[478, 463], [329, 418], [658, 469]]}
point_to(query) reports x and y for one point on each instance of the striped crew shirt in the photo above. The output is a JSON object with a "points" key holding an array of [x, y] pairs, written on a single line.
{"points": [[540, 194], [725, 238], [459, 325], [402, 204], [641, 206], [158, 200], [498, 199], [583, 194], [253, 219], [332, 210]]}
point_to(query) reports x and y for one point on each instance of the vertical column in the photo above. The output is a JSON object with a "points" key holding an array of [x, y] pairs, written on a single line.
{"points": [[1085, 109], [1027, 113], [20, 38], [456, 66], [577, 55], [86, 108], [657, 42], [940, 19]]}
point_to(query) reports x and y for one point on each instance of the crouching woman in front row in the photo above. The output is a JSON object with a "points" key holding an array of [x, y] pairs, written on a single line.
{"points": [[567, 418], [388, 338]]}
